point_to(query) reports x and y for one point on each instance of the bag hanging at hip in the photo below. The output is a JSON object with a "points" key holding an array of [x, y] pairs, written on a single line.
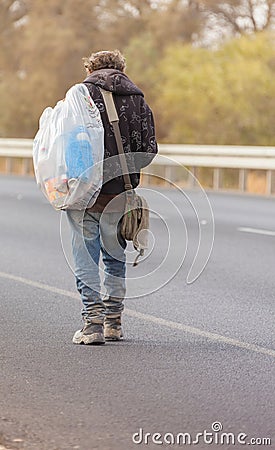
{"points": [[135, 221]]}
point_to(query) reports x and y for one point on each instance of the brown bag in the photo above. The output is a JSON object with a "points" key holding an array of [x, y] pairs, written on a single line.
{"points": [[135, 221]]}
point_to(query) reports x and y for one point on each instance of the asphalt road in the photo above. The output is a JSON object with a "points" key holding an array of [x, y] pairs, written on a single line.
{"points": [[193, 354]]}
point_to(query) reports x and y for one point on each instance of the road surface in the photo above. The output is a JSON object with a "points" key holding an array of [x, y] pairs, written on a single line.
{"points": [[193, 355]]}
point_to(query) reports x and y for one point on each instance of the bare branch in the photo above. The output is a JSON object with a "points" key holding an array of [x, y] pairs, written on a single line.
{"points": [[269, 14], [229, 18], [251, 16]]}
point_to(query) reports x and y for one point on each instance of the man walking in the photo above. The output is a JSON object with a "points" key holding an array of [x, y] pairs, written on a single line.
{"points": [[97, 230]]}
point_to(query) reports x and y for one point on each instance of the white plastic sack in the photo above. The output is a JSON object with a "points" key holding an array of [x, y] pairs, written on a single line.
{"points": [[68, 151]]}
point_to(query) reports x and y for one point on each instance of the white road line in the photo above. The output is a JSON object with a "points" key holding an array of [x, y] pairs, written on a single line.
{"points": [[38, 285], [152, 319], [256, 231], [201, 333]]}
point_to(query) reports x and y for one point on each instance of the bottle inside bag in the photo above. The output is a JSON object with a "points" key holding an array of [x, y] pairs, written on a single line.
{"points": [[78, 153]]}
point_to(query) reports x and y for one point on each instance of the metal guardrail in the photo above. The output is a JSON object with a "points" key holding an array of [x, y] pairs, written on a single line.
{"points": [[218, 157], [16, 148], [244, 159], [221, 156]]}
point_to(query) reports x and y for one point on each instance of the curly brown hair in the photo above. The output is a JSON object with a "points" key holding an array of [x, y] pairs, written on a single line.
{"points": [[105, 60]]}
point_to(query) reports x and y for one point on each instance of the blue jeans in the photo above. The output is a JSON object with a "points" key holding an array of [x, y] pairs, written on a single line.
{"points": [[93, 233]]}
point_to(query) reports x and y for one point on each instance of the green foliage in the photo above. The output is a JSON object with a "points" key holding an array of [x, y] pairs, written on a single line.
{"points": [[143, 55], [218, 97]]}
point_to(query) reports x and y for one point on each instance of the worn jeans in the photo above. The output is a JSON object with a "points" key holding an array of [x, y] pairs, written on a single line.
{"points": [[93, 233]]}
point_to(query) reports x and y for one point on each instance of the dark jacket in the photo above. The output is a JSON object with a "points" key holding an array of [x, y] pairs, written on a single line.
{"points": [[136, 125]]}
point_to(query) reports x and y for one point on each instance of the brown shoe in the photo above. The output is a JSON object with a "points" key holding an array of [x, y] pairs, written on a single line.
{"points": [[91, 334], [112, 329]]}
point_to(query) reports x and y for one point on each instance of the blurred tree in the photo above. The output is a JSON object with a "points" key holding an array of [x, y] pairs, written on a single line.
{"points": [[166, 20], [143, 55], [12, 19], [173, 21], [48, 51], [179, 21], [11, 16], [218, 97], [237, 17], [121, 20], [42, 43]]}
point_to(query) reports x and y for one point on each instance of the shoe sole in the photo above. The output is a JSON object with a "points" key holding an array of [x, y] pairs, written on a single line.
{"points": [[89, 339], [113, 336]]}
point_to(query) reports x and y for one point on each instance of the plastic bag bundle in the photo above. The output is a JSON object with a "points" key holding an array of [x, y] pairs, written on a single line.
{"points": [[68, 151]]}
